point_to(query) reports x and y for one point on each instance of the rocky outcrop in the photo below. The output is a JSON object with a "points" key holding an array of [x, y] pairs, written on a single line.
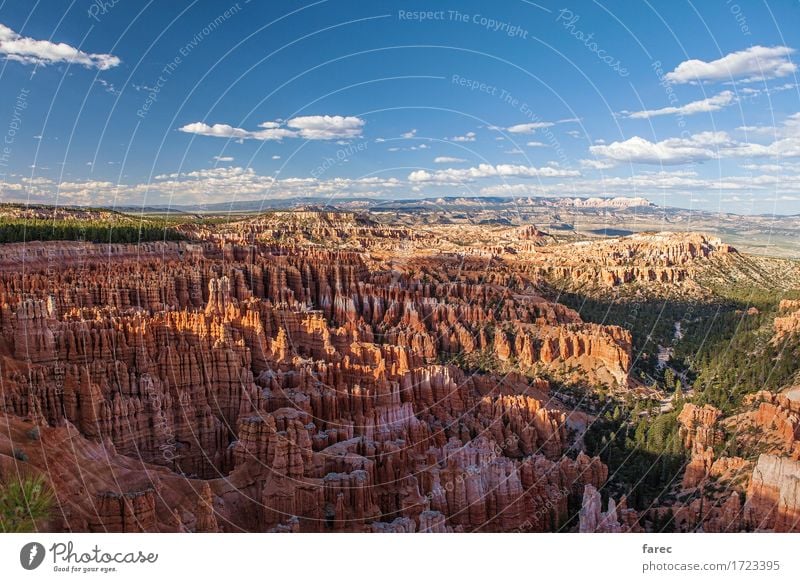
{"points": [[787, 323], [648, 258], [124, 512], [773, 497], [724, 515], [778, 415], [99, 490], [205, 517], [699, 432], [617, 518]]}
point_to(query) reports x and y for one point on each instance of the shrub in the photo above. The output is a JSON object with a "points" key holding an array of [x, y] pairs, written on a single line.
{"points": [[23, 503]]}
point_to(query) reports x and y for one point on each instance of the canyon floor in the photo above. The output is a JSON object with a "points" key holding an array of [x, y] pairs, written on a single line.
{"points": [[396, 370]]}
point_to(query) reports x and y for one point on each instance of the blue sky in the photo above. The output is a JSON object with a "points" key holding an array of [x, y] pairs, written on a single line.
{"points": [[128, 103]]}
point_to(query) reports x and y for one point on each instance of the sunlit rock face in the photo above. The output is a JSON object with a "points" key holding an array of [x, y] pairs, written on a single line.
{"points": [[773, 498], [787, 324]]}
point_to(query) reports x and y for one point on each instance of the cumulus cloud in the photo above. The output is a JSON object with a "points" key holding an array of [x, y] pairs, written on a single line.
{"points": [[230, 132], [756, 63], [458, 175], [699, 147], [27, 50], [327, 126], [448, 160], [409, 134], [313, 127], [714, 103]]}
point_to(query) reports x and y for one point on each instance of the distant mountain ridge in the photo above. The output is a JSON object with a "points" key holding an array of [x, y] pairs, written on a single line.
{"points": [[373, 203]]}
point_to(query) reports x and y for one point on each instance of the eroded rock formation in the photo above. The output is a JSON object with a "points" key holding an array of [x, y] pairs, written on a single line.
{"points": [[293, 388], [256, 379]]}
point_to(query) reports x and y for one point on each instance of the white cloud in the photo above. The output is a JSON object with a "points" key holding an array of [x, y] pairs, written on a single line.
{"points": [[217, 184], [655, 184], [108, 87], [276, 157], [714, 103], [514, 152], [786, 135], [772, 168], [43, 52], [703, 146], [756, 63], [469, 136], [789, 127], [529, 127], [597, 164], [699, 147], [458, 175], [224, 183], [223, 158], [230, 132], [536, 144], [327, 126], [756, 129], [762, 167], [409, 134], [448, 160], [314, 127], [787, 147]]}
